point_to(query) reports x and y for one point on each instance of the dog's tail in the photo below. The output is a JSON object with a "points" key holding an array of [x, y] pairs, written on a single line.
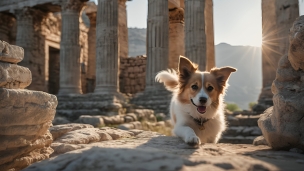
{"points": [[169, 78]]}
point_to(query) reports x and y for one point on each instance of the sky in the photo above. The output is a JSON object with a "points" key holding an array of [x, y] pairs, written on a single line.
{"points": [[236, 22]]}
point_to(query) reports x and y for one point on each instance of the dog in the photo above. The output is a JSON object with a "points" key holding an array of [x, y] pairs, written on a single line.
{"points": [[197, 107]]}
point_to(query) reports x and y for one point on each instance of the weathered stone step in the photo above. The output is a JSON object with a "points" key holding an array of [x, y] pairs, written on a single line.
{"points": [[237, 139], [243, 131], [242, 120]]}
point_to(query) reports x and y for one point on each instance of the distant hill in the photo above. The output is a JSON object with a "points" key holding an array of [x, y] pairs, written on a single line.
{"points": [[137, 41], [245, 84]]}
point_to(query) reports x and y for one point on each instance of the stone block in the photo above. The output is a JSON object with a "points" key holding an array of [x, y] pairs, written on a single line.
{"points": [[18, 158], [26, 130], [25, 107], [92, 120], [13, 76], [113, 120], [117, 133], [84, 136], [10, 53], [59, 130]]}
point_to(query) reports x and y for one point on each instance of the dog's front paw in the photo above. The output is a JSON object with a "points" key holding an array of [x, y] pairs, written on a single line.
{"points": [[192, 140]]}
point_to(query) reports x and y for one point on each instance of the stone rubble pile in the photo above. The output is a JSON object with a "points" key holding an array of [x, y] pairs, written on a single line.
{"points": [[25, 116], [132, 77], [283, 124]]}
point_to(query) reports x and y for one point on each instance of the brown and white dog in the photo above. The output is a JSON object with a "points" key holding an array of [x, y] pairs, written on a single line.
{"points": [[197, 104]]}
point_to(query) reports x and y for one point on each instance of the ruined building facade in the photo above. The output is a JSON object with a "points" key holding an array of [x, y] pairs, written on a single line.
{"points": [[65, 39]]}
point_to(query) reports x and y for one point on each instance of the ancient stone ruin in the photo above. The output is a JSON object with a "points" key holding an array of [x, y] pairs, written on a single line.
{"points": [[75, 52], [25, 115], [277, 18], [283, 124]]}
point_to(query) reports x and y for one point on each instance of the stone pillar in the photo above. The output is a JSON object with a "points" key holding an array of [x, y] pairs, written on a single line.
{"points": [[277, 18], [210, 52], [157, 42], [176, 36], [123, 29], [6, 24], [107, 47], [70, 70], [195, 37], [30, 38], [91, 76]]}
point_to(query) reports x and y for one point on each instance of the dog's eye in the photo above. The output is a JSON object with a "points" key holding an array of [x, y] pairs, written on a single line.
{"points": [[209, 88], [194, 87]]}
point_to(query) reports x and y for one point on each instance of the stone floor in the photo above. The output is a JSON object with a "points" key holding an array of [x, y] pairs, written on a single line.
{"points": [[112, 149]]}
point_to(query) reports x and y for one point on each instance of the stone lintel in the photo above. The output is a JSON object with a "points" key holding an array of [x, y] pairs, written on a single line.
{"points": [[13, 76], [10, 53], [11, 6]]}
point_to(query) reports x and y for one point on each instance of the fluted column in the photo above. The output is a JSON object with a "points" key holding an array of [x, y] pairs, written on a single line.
{"points": [[176, 36], [157, 41], [123, 29], [92, 52], [195, 37], [277, 19], [6, 24], [210, 52], [107, 47], [30, 38], [25, 33], [70, 71]]}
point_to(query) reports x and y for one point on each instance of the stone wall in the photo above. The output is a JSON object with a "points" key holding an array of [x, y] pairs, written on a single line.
{"points": [[132, 76]]}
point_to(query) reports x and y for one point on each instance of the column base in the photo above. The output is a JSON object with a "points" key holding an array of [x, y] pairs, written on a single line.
{"points": [[69, 90], [105, 90], [72, 106], [155, 98]]}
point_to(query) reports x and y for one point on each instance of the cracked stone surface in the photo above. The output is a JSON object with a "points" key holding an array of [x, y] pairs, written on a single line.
{"points": [[147, 151]]}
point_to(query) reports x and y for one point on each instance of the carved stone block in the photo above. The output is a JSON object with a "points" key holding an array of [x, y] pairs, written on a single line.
{"points": [[10, 53], [13, 76]]}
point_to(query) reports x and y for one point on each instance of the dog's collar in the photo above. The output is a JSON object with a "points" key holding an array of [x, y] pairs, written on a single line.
{"points": [[200, 122]]}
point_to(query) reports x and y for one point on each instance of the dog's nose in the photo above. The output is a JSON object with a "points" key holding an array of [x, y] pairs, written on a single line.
{"points": [[203, 100]]}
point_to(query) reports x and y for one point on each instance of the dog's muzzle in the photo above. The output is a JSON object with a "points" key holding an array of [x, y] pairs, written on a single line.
{"points": [[200, 109]]}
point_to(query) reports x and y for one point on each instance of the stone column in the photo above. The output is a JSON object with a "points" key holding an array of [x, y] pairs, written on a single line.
{"points": [[210, 52], [6, 24], [107, 47], [195, 37], [91, 76], [123, 29], [157, 42], [277, 18], [70, 71], [30, 38], [176, 36]]}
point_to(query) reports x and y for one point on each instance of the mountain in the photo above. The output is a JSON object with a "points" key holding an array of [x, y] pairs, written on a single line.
{"points": [[137, 41], [245, 84]]}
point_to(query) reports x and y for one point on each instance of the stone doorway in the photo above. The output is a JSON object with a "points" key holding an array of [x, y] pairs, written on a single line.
{"points": [[54, 67]]}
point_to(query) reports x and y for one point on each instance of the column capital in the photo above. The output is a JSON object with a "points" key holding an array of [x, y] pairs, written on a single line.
{"points": [[72, 5], [176, 15], [28, 12]]}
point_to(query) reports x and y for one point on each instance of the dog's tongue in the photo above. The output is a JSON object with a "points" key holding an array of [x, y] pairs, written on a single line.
{"points": [[201, 109]]}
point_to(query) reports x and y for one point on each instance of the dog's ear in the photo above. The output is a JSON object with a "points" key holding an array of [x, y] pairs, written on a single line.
{"points": [[222, 74], [186, 67]]}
